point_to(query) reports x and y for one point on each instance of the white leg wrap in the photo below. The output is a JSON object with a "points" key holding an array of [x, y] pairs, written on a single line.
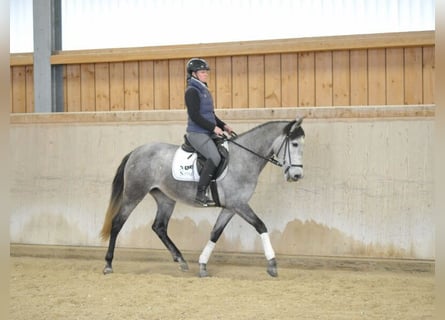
{"points": [[205, 255], [267, 245]]}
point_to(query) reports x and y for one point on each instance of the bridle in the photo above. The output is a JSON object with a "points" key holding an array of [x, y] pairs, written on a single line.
{"points": [[272, 159], [286, 144]]}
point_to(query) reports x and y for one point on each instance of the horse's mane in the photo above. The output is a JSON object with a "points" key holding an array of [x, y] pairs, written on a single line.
{"points": [[298, 132]]}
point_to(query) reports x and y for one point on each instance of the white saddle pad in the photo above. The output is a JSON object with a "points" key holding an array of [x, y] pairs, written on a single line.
{"points": [[184, 166]]}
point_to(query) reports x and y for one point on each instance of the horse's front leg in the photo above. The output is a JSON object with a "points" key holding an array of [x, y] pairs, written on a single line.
{"points": [[221, 222], [160, 224], [246, 212]]}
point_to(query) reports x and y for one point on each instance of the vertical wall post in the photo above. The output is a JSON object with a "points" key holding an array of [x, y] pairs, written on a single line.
{"points": [[48, 80]]}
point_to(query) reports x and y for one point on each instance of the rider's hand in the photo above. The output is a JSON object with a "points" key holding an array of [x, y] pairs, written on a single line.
{"points": [[228, 129], [218, 131]]}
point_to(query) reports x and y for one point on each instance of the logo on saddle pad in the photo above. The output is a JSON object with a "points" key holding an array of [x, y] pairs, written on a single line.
{"points": [[185, 165]]}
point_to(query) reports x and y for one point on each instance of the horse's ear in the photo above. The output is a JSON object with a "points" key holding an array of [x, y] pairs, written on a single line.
{"points": [[299, 120]]}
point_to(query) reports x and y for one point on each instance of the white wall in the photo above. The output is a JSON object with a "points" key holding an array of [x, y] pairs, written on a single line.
{"points": [[90, 24], [367, 189]]}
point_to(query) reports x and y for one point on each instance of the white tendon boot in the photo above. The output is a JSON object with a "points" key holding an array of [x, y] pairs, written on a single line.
{"points": [[270, 255], [204, 258]]}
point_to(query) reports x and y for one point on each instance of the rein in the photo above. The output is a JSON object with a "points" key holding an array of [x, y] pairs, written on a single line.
{"points": [[272, 159]]}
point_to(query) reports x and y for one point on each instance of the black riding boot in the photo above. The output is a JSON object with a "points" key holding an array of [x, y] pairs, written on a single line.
{"points": [[204, 181]]}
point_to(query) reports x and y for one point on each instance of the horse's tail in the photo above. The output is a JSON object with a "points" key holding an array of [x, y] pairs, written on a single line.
{"points": [[115, 200]]}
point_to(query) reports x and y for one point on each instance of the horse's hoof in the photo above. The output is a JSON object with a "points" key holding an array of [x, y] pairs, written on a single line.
{"points": [[272, 267], [203, 273], [183, 265], [108, 270]]}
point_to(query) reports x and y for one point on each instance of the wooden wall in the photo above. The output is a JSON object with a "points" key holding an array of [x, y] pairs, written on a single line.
{"points": [[382, 69]]}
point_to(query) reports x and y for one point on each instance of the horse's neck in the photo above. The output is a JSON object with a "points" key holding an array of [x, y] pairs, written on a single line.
{"points": [[261, 138]]}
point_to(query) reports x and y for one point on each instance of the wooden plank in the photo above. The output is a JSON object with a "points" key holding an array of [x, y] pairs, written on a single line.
{"points": [[428, 75], [379, 40], [376, 76], [131, 85], [256, 81], [65, 88], [18, 89], [323, 78], [29, 78], [395, 90], [117, 95], [212, 76], [165, 117], [146, 83], [11, 82], [272, 76], [306, 79], [21, 59], [72, 88], [177, 78], [72, 98], [341, 78], [359, 77], [87, 87], [289, 79], [240, 91], [223, 96], [161, 85], [413, 76], [102, 80]]}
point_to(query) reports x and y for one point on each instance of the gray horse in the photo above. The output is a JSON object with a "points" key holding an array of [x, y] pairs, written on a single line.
{"points": [[148, 169]]}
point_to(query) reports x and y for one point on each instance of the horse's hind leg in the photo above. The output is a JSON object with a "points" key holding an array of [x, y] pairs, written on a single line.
{"points": [[221, 222], [116, 226], [160, 224]]}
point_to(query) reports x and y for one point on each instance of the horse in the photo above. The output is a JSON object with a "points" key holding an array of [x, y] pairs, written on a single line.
{"points": [[148, 169]]}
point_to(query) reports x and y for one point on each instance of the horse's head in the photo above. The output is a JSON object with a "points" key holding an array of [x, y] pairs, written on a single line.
{"points": [[288, 148]]}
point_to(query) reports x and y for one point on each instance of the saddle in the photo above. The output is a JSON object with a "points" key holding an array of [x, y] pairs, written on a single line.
{"points": [[188, 163], [222, 147]]}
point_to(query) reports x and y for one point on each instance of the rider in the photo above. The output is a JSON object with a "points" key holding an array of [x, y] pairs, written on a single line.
{"points": [[203, 124]]}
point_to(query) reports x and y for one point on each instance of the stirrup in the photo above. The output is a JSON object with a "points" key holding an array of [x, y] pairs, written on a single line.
{"points": [[205, 202], [202, 199]]}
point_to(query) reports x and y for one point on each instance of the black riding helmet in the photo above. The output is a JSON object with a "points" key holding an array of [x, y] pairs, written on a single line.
{"points": [[196, 64]]}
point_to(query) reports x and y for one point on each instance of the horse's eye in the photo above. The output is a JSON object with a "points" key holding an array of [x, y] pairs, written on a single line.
{"points": [[295, 144]]}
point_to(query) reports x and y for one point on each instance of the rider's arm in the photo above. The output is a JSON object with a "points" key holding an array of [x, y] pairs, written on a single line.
{"points": [[220, 123]]}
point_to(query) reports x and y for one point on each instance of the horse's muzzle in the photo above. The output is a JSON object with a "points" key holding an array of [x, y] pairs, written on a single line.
{"points": [[294, 173]]}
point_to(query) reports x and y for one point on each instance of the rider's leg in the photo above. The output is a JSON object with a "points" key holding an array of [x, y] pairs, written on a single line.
{"points": [[204, 144], [204, 181]]}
